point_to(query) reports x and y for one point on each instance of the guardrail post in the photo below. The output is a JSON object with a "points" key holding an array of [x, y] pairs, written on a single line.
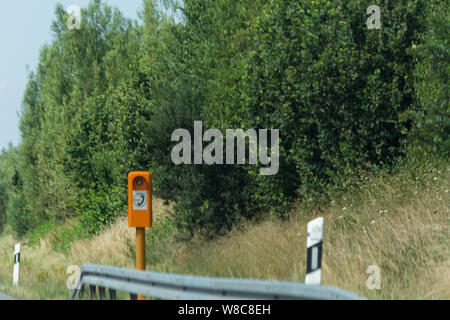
{"points": [[92, 292], [101, 293], [82, 291], [112, 294]]}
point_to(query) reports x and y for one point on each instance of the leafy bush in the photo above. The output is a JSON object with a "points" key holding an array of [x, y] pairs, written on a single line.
{"points": [[180, 84], [334, 88], [98, 209], [18, 217]]}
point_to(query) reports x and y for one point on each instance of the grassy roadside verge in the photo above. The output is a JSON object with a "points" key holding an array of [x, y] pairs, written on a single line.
{"points": [[45, 261], [398, 221]]}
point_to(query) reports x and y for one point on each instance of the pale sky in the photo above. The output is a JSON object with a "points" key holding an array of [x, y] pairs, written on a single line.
{"points": [[24, 28]]}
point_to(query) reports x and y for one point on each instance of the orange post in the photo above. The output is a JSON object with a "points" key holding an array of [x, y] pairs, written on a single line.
{"points": [[140, 252], [140, 212], [139, 199]]}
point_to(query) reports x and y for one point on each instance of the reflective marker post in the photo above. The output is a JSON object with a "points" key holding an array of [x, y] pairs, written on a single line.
{"points": [[140, 212], [314, 255], [16, 264]]}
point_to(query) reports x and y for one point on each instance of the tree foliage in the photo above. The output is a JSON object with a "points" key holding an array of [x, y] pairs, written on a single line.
{"points": [[105, 99], [432, 82]]}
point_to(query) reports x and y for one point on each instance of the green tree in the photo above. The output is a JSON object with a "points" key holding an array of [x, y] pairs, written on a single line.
{"points": [[187, 77], [67, 130]]}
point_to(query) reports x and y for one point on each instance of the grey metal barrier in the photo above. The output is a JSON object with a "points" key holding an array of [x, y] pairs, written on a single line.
{"points": [[187, 287]]}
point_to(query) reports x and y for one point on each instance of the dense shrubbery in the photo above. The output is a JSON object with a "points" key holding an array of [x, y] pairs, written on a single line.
{"points": [[99, 208], [333, 87], [105, 100], [432, 117]]}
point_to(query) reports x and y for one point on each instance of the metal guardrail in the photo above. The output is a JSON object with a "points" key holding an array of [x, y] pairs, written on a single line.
{"points": [[187, 287], [5, 297]]}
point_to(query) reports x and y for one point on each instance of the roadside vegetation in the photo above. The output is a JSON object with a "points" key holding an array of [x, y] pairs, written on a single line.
{"points": [[364, 124], [398, 221]]}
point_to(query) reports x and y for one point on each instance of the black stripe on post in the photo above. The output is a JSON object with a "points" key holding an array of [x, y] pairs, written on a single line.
{"points": [[314, 260], [82, 291], [17, 258]]}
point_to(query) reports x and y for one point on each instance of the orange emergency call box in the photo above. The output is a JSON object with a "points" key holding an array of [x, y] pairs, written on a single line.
{"points": [[139, 199]]}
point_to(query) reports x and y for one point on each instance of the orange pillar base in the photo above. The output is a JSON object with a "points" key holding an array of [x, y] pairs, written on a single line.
{"points": [[140, 252]]}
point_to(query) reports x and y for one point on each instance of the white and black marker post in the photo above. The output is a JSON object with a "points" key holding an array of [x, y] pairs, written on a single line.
{"points": [[16, 264], [314, 255]]}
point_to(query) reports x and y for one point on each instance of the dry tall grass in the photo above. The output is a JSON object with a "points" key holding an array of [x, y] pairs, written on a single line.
{"points": [[43, 270], [399, 223]]}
